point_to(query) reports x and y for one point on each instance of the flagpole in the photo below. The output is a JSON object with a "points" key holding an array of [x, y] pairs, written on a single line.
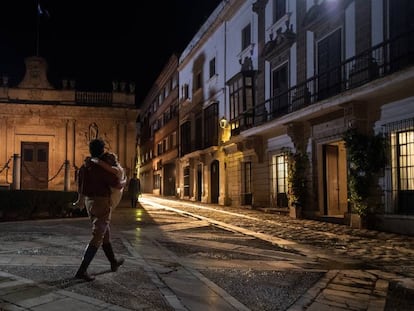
{"points": [[37, 28]]}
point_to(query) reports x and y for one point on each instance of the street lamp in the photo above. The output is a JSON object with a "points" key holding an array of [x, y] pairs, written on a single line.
{"points": [[223, 122]]}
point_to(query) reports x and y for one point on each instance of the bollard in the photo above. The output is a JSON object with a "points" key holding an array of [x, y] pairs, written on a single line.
{"points": [[66, 186], [16, 172]]}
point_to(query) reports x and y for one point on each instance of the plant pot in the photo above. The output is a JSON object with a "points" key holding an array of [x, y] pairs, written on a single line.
{"points": [[358, 221], [295, 211]]}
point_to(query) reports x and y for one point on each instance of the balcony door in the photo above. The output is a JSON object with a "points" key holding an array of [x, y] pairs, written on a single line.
{"points": [[280, 87], [329, 65]]}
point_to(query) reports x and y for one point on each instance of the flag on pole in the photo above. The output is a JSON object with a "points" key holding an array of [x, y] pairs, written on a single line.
{"points": [[41, 14], [41, 11]]}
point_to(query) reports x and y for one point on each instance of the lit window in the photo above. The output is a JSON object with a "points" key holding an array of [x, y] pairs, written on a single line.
{"points": [[280, 180]]}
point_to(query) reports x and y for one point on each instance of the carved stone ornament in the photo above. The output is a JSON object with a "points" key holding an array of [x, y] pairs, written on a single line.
{"points": [[36, 74], [282, 42]]}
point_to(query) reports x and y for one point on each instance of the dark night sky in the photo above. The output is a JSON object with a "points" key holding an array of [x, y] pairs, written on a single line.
{"points": [[95, 42]]}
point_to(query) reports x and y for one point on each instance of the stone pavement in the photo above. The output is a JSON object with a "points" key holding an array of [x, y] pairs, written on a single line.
{"points": [[361, 265], [47, 253]]}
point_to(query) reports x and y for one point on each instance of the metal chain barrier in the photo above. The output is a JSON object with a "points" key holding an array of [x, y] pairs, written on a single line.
{"points": [[40, 180], [6, 166]]}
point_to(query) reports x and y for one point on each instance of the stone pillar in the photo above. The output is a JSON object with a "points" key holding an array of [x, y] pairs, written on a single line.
{"points": [[16, 172], [3, 150]]}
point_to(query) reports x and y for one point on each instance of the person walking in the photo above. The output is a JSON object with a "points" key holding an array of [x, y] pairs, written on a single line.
{"points": [[94, 183], [134, 190], [109, 161]]}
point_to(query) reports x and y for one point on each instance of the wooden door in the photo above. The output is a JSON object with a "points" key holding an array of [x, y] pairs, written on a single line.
{"points": [[35, 165], [331, 180]]}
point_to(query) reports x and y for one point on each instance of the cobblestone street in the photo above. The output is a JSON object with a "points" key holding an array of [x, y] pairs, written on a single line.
{"points": [[249, 260]]}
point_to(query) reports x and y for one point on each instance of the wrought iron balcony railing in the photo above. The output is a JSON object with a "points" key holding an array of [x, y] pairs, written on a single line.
{"points": [[381, 60]]}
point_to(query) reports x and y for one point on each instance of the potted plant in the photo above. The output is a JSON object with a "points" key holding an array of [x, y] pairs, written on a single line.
{"points": [[366, 158], [298, 164]]}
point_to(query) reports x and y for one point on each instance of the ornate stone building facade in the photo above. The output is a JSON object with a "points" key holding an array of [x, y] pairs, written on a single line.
{"points": [[45, 132]]}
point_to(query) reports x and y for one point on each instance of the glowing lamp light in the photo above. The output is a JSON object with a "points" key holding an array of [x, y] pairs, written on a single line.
{"points": [[223, 122]]}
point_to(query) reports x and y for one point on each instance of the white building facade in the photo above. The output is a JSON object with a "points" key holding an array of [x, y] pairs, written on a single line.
{"points": [[266, 80]]}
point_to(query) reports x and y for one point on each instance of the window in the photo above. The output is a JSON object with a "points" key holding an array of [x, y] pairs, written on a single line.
{"points": [[173, 140], [185, 132], [280, 91], [167, 115], [157, 181], [246, 195], [159, 148], [198, 83], [241, 93], [399, 191], [161, 97], [329, 65], [246, 37], [167, 89], [279, 9], [400, 21], [405, 171], [154, 106], [185, 91], [28, 155], [247, 177], [212, 67], [174, 82], [186, 175], [406, 160], [280, 180], [211, 125], [41, 155]]}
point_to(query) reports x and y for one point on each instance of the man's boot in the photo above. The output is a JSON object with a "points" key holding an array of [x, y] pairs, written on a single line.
{"points": [[86, 260], [109, 253]]}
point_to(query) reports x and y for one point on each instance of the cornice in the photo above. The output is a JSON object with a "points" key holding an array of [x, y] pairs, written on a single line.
{"points": [[230, 8]]}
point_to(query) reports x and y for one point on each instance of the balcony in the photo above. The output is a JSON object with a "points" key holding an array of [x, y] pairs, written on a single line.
{"points": [[381, 60]]}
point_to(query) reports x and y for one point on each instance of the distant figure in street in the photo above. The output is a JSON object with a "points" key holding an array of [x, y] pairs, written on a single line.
{"points": [[134, 190], [94, 183]]}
